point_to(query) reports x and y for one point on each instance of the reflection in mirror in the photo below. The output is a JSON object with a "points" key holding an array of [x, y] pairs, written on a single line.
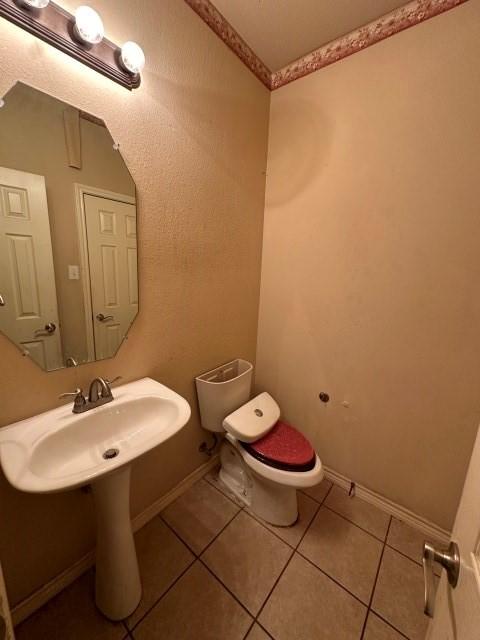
{"points": [[68, 234]]}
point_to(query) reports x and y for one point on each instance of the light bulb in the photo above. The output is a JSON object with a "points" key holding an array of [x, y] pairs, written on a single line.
{"points": [[88, 25], [35, 4], [132, 57]]}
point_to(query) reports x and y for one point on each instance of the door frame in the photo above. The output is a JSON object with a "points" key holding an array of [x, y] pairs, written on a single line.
{"points": [[80, 191]]}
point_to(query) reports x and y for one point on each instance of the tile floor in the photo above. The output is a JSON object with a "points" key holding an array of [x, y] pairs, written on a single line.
{"points": [[212, 571]]}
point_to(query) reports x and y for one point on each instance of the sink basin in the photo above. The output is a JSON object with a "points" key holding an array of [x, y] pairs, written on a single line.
{"points": [[59, 450]]}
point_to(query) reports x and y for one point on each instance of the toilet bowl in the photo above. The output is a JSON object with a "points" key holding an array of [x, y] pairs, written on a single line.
{"points": [[263, 459]]}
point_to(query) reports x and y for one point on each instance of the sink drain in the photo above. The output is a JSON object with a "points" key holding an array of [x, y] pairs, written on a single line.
{"points": [[111, 453]]}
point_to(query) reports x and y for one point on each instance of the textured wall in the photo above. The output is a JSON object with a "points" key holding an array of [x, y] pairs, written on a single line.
{"points": [[371, 263], [194, 137]]}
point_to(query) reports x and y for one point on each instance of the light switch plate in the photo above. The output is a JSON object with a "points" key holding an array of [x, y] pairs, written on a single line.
{"points": [[73, 272]]}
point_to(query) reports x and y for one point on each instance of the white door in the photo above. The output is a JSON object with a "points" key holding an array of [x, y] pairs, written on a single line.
{"points": [[457, 611], [29, 314], [6, 627], [111, 228]]}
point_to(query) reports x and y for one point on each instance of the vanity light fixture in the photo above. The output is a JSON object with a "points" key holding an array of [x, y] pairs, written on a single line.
{"points": [[80, 36], [88, 25], [132, 57], [34, 4]]}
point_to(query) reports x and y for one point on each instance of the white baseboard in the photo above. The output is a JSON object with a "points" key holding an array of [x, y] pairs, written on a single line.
{"points": [[28, 606], [429, 529]]}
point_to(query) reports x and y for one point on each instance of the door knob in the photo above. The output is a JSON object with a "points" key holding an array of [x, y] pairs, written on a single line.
{"points": [[103, 318], [449, 559], [48, 329]]}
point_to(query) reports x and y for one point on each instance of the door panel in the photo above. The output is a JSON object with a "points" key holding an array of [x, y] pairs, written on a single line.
{"points": [[112, 257], [457, 611], [27, 277], [24, 276]]}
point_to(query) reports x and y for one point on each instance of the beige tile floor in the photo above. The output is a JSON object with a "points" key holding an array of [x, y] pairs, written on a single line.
{"points": [[211, 571]]}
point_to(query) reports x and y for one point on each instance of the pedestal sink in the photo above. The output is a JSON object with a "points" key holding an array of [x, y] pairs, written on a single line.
{"points": [[58, 450]]}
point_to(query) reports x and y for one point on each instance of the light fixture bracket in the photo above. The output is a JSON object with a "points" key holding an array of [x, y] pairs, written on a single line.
{"points": [[54, 25]]}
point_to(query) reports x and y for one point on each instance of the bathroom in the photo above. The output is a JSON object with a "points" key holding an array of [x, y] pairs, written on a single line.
{"points": [[313, 215]]}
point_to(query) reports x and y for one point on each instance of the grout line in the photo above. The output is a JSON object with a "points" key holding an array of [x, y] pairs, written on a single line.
{"points": [[370, 610], [275, 584], [199, 559], [375, 581], [189, 566], [294, 550], [177, 535], [390, 624], [274, 533], [289, 560], [319, 502], [332, 484], [418, 563], [251, 615], [294, 547], [197, 555], [150, 609], [330, 577], [264, 630], [248, 630], [357, 525], [219, 533]]}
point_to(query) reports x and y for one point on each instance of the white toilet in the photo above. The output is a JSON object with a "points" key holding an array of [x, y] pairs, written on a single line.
{"points": [[263, 460]]}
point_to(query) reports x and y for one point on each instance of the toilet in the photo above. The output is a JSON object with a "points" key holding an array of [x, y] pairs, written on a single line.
{"points": [[264, 460]]}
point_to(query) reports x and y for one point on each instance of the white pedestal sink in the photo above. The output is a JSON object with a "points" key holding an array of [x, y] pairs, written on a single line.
{"points": [[117, 579], [58, 450]]}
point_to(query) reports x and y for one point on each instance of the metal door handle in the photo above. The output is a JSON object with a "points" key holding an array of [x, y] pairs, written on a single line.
{"points": [[48, 329], [103, 318], [2, 301], [449, 559]]}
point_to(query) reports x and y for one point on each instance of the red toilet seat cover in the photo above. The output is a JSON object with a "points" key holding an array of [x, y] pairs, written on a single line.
{"points": [[283, 447]]}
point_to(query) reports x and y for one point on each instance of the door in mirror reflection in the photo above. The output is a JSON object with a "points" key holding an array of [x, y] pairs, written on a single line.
{"points": [[27, 276], [68, 232], [112, 257]]}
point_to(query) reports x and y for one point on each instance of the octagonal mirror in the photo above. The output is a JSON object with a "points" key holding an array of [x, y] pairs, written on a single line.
{"points": [[68, 232]]}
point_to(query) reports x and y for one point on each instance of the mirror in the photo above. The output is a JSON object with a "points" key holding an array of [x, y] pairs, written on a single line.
{"points": [[68, 232]]}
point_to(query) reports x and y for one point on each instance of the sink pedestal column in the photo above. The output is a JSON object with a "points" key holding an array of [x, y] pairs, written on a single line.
{"points": [[118, 588]]}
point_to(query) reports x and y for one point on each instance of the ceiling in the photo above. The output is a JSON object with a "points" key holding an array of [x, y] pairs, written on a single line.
{"points": [[281, 31]]}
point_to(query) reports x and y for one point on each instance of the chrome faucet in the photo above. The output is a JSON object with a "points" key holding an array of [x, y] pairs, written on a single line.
{"points": [[99, 393]]}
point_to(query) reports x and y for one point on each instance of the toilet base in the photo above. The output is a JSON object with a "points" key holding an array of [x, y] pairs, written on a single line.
{"points": [[270, 501]]}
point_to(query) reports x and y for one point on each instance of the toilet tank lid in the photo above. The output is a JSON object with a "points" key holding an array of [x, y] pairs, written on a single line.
{"points": [[254, 419]]}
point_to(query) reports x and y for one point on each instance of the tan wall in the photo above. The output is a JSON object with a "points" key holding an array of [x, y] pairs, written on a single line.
{"points": [[371, 261], [32, 139], [194, 138]]}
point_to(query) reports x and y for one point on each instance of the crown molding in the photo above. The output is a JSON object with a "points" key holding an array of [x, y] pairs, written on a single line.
{"points": [[224, 30], [409, 15], [404, 17]]}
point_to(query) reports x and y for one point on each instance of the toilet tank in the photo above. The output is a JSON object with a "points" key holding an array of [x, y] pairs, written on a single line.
{"points": [[223, 390]]}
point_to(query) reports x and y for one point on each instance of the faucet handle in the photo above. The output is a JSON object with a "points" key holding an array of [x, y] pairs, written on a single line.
{"points": [[68, 394], [80, 402], [108, 383]]}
